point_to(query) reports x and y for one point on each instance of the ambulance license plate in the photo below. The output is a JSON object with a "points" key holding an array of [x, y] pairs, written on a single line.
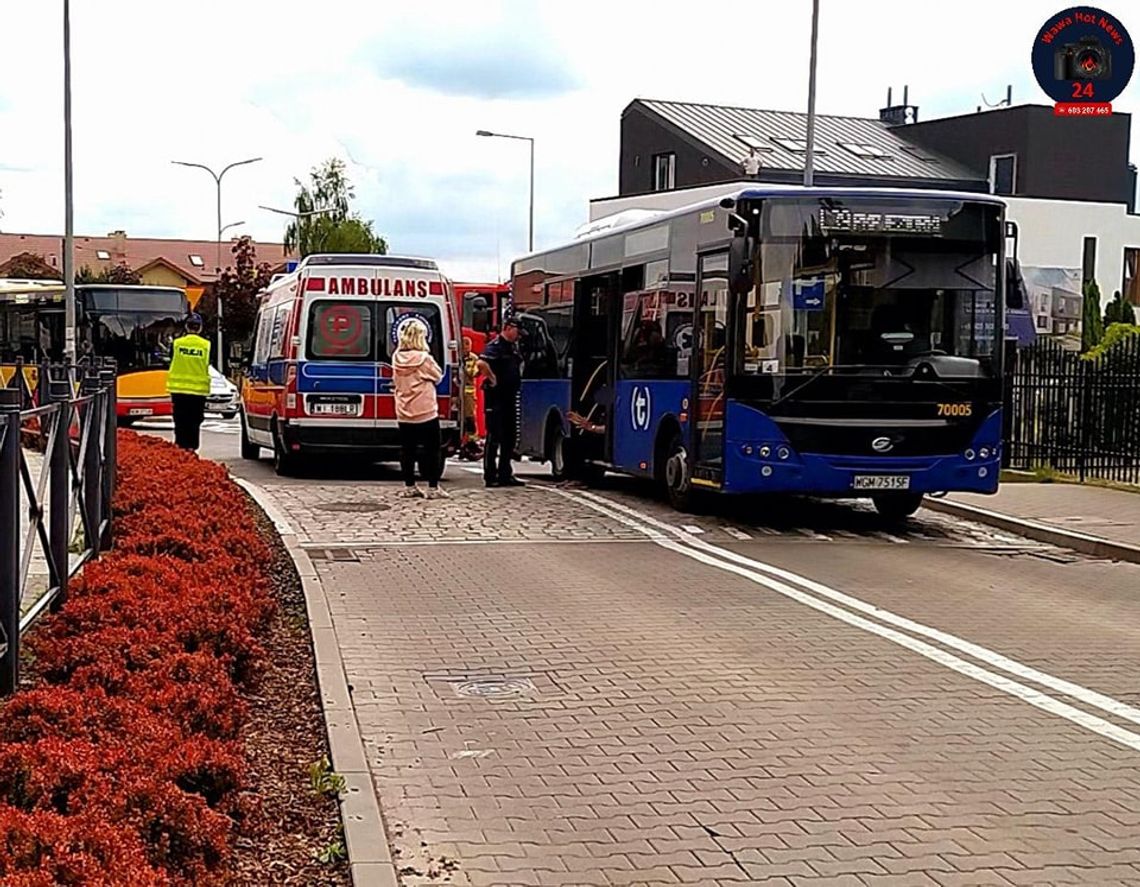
{"points": [[334, 406], [881, 482], [140, 411]]}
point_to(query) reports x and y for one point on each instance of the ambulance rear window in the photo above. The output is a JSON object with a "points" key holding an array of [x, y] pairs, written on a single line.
{"points": [[341, 330]]}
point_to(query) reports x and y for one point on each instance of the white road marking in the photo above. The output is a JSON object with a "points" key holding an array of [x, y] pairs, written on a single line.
{"points": [[692, 529], [736, 534], [723, 559]]}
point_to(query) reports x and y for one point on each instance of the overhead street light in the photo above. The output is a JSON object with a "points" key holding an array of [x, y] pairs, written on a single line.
{"points": [[297, 215], [502, 135], [218, 176], [226, 228], [809, 163]]}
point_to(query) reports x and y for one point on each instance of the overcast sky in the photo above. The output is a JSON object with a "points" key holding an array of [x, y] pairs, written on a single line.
{"points": [[398, 89]]}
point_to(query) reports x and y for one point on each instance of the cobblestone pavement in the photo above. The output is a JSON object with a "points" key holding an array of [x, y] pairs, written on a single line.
{"points": [[617, 712]]}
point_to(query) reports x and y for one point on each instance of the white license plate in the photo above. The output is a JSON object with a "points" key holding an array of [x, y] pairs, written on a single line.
{"points": [[881, 482], [140, 411], [334, 409]]}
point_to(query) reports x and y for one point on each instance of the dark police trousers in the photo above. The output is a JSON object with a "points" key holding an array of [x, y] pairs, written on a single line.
{"points": [[189, 410], [502, 420]]}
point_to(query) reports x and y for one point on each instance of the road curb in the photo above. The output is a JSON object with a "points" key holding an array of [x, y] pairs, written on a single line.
{"points": [[369, 856], [1084, 543]]}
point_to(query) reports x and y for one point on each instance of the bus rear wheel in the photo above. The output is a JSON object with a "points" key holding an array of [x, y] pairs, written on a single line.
{"points": [[897, 507], [676, 479]]}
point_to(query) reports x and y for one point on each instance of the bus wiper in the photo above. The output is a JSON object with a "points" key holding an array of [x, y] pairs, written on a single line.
{"points": [[821, 371]]}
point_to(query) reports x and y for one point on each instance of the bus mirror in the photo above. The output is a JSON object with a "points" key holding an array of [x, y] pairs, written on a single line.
{"points": [[739, 265], [1014, 286]]}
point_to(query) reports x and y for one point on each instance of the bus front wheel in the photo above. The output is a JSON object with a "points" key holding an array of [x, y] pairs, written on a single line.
{"points": [[557, 446], [678, 484], [896, 507]]}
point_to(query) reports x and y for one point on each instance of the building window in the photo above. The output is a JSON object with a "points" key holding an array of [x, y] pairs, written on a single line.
{"points": [[798, 146], [753, 142], [1088, 260], [197, 261], [1003, 173], [1131, 282], [102, 255], [861, 149], [664, 172]]}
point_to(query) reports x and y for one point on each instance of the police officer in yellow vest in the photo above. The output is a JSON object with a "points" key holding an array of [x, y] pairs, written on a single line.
{"points": [[188, 382]]}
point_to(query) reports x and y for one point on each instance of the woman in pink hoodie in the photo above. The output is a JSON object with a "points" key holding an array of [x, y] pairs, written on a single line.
{"points": [[417, 413]]}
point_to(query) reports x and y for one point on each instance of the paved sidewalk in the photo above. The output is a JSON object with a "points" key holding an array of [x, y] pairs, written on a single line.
{"points": [[545, 696], [1094, 520]]}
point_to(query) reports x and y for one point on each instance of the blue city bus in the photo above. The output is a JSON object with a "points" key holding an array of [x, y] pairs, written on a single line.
{"points": [[832, 342]]}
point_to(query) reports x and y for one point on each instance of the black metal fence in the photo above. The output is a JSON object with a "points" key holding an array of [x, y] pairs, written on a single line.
{"points": [[1075, 416], [57, 477]]}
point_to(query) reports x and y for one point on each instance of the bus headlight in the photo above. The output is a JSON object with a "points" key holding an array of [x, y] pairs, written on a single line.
{"points": [[969, 454], [783, 452], [765, 451], [747, 449], [766, 471], [984, 453], [982, 472]]}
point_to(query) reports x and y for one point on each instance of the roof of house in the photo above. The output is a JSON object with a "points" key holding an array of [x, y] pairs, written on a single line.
{"points": [[97, 253], [856, 146]]}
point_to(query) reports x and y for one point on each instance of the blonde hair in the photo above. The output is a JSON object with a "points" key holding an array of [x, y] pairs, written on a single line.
{"points": [[413, 336]]}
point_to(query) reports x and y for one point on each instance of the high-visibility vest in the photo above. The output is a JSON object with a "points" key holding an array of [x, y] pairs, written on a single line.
{"points": [[189, 366]]}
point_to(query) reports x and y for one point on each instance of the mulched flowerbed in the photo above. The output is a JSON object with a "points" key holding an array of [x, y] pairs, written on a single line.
{"points": [[172, 716]]}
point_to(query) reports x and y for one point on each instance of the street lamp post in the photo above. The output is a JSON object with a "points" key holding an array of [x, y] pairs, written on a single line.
{"points": [[809, 162], [217, 176], [502, 135], [68, 205]]}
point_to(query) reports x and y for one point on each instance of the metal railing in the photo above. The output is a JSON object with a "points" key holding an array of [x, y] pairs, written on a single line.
{"points": [[57, 478]]}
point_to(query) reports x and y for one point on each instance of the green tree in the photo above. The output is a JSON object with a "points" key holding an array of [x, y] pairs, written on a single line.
{"points": [[1092, 324], [1118, 311], [121, 274], [238, 286], [1114, 335], [326, 224]]}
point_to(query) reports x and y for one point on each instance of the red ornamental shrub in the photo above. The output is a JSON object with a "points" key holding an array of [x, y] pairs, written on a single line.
{"points": [[124, 769]]}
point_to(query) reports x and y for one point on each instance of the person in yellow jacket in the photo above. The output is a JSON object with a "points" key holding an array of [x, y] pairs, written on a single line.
{"points": [[188, 383]]}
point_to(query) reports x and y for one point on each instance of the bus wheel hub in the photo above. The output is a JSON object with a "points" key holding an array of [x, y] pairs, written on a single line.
{"points": [[677, 471]]}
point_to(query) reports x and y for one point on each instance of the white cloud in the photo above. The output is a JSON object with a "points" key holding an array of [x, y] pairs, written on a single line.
{"points": [[400, 89]]}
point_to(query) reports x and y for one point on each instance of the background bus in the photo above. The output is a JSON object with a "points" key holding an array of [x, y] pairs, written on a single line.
{"points": [[845, 343], [134, 325]]}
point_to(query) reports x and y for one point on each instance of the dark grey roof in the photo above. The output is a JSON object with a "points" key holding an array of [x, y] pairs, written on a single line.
{"points": [[719, 128]]}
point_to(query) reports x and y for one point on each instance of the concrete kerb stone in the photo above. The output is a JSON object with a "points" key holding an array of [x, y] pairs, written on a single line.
{"points": [[1083, 543], [369, 856]]}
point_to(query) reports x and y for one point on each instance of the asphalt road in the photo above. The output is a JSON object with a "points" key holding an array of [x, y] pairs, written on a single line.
{"points": [[566, 686]]}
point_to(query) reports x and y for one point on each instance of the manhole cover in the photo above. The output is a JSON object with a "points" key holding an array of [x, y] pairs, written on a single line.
{"points": [[355, 507], [496, 687]]}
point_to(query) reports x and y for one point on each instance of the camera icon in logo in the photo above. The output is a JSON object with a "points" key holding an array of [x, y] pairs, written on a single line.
{"points": [[1086, 59]]}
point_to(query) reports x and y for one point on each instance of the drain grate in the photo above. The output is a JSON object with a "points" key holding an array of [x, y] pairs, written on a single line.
{"points": [[496, 687], [493, 687], [334, 554], [354, 507]]}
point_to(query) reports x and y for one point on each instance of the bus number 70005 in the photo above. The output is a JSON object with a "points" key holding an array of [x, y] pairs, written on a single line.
{"points": [[955, 409]]}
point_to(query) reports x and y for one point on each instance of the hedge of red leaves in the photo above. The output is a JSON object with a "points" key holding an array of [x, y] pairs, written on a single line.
{"points": [[124, 766]]}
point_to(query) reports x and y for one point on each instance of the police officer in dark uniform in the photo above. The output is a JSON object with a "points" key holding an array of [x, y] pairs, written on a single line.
{"points": [[501, 367]]}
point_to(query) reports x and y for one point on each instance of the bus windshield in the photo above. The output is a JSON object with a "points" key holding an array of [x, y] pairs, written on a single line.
{"points": [[135, 326], [863, 285]]}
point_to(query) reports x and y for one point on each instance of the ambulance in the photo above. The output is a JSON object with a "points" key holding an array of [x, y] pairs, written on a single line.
{"points": [[318, 381]]}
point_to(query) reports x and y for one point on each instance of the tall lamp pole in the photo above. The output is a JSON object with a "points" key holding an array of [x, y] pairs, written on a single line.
{"points": [[502, 135], [217, 177], [68, 205], [809, 163]]}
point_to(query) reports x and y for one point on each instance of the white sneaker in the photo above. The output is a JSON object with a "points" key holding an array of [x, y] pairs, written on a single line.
{"points": [[412, 493], [438, 493]]}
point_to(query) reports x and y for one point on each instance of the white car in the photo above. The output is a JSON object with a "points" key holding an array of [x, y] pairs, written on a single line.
{"points": [[223, 397]]}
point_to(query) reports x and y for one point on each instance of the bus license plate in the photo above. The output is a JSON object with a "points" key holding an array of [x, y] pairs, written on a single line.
{"points": [[881, 482], [334, 408]]}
